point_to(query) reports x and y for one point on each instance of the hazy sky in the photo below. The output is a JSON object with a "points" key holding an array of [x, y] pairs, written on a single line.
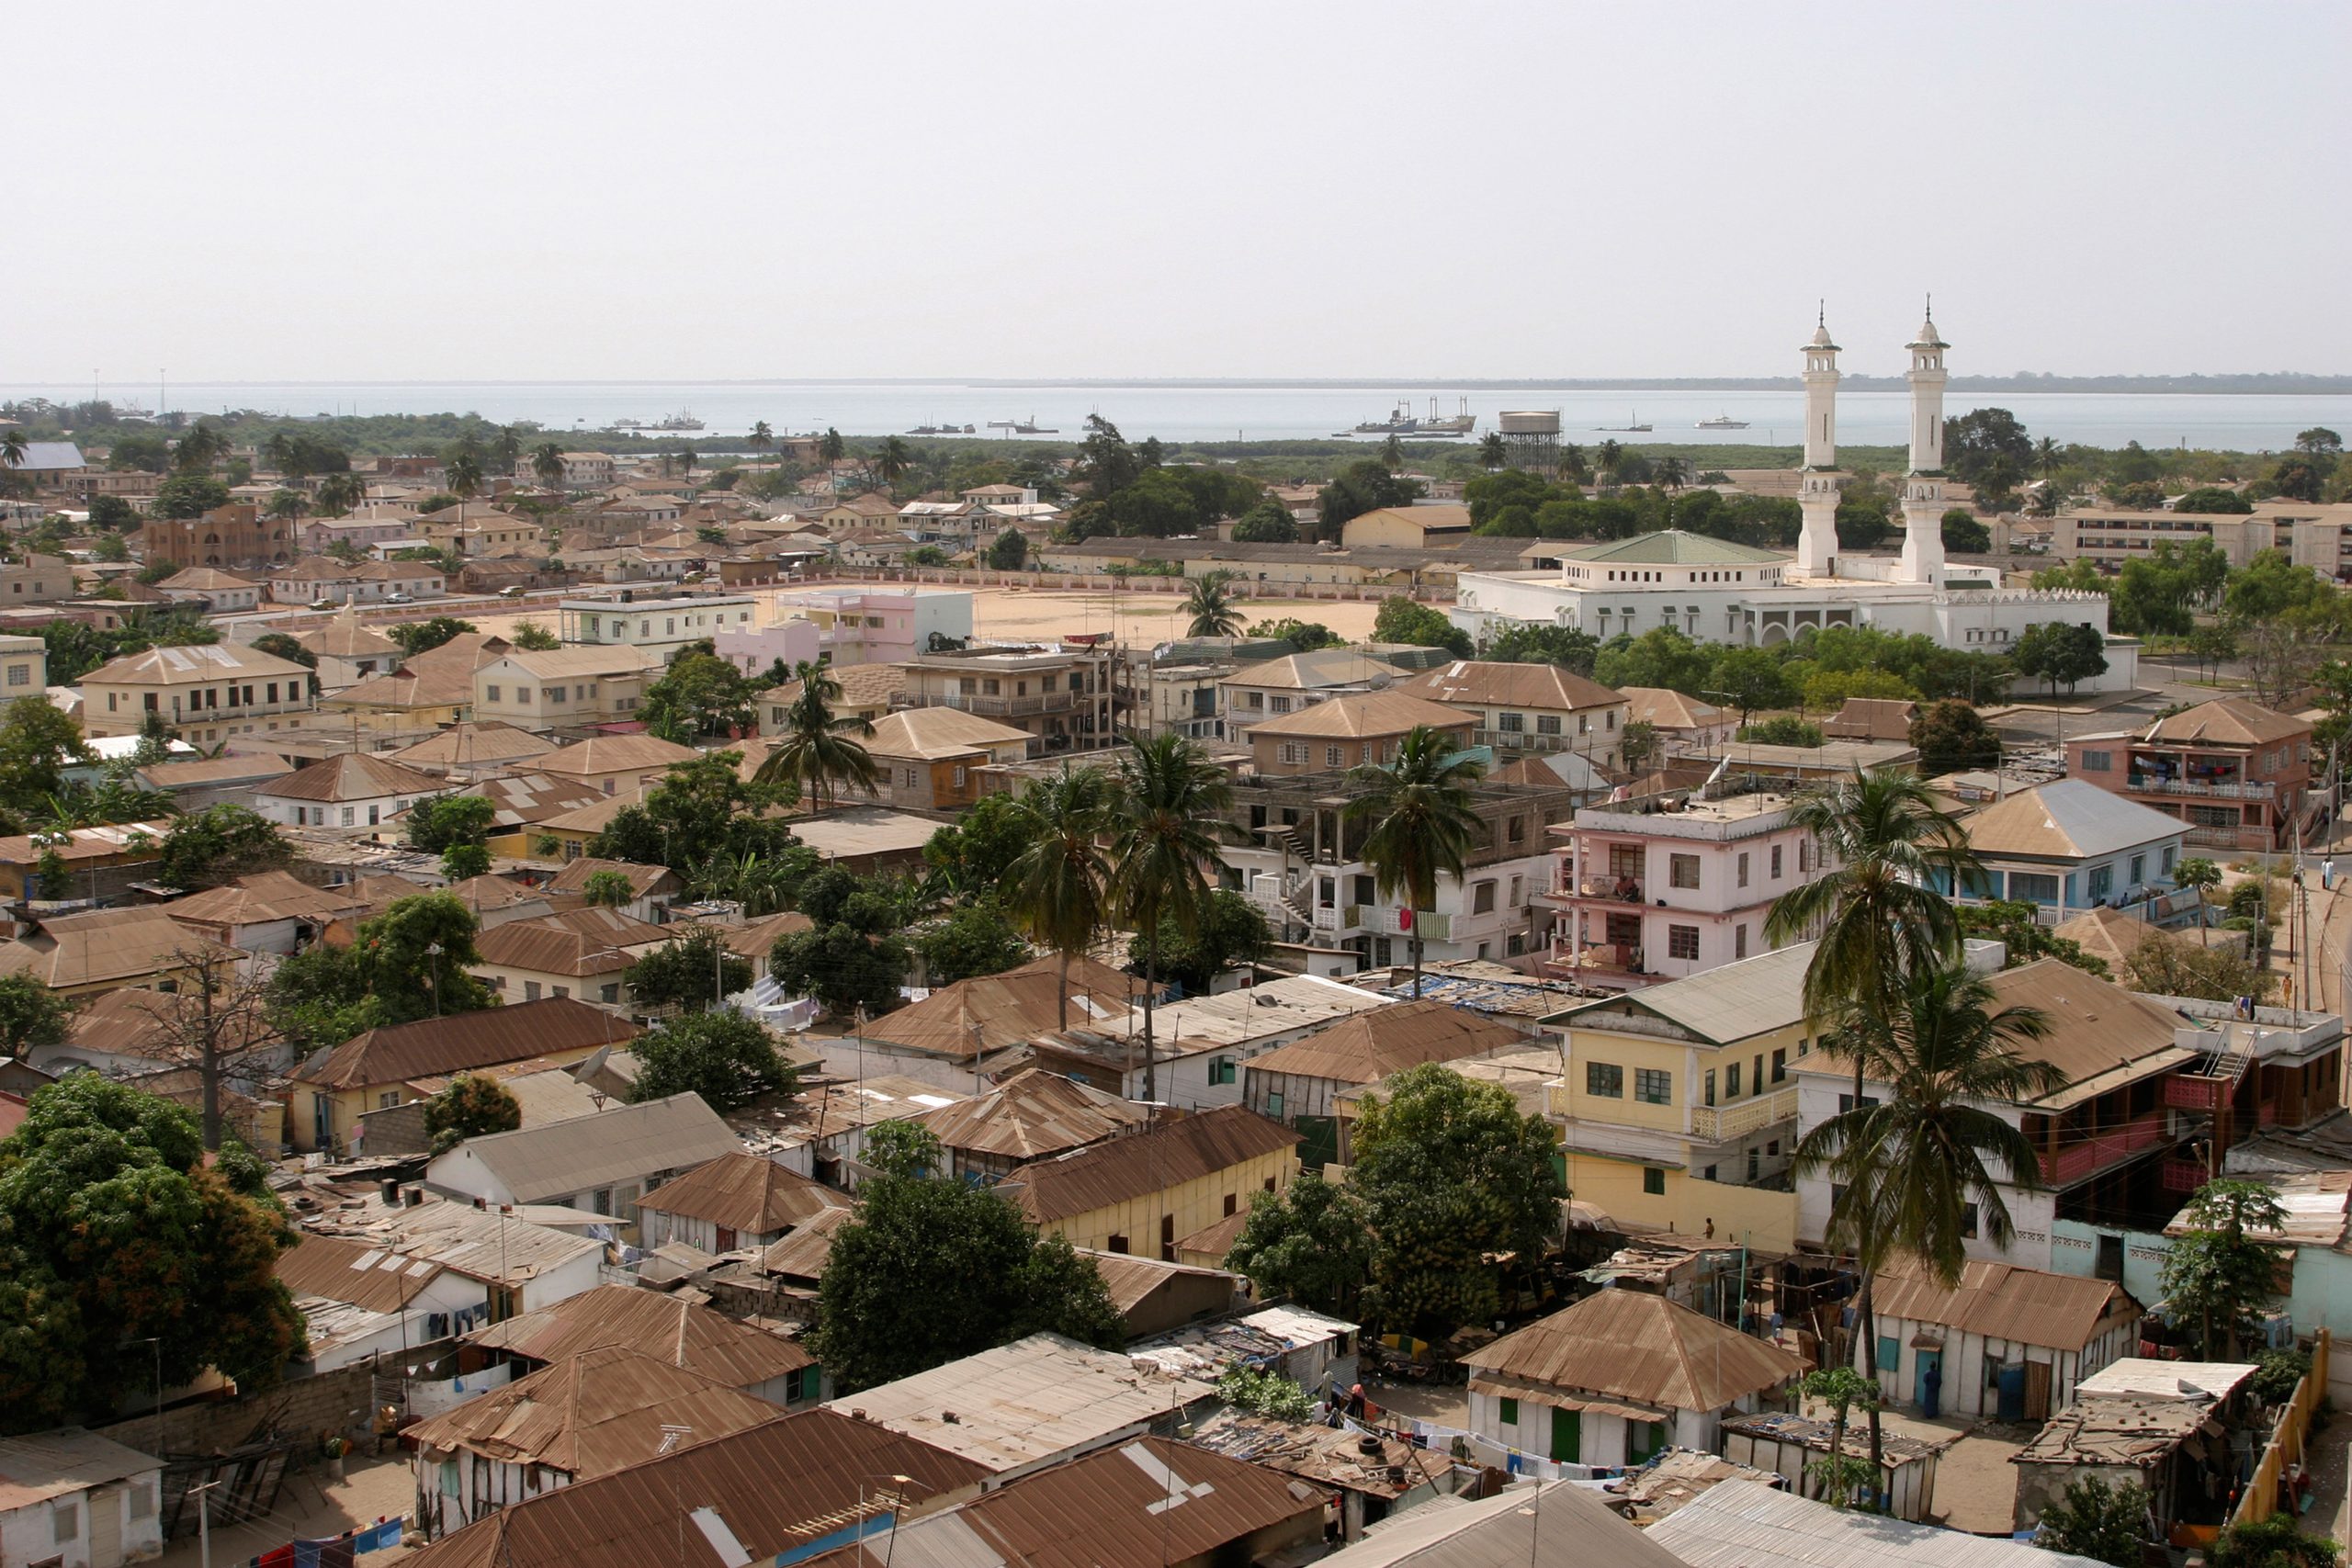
{"points": [[589, 191]]}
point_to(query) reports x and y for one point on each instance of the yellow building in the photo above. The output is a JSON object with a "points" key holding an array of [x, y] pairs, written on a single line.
{"points": [[564, 836], [1678, 1109], [565, 688], [1406, 528], [207, 692], [1138, 1194], [372, 1071]]}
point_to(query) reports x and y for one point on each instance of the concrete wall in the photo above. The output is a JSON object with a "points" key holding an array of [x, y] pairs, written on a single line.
{"points": [[305, 1406]]}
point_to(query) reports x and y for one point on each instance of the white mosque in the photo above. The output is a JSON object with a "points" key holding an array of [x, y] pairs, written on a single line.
{"points": [[1714, 591]]}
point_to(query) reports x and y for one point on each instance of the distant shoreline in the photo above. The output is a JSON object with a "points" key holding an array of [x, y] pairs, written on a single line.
{"points": [[2023, 384]]}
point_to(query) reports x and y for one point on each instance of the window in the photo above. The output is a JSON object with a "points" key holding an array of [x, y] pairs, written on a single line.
{"points": [[1333, 756], [1707, 1087], [1274, 1106], [1294, 751], [1803, 856], [349, 812], [530, 990], [387, 1100], [20, 675], [1653, 1086], [1507, 1414], [563, 990], [1482, 897], [1846, 1102], [2098, 762], [1511, 723], [490, 693], [1222, 1069], [1547, 724], [1776, 862], [1739, 942], [609, 993], [1116, 1243], [1606, 1079], [1682, 870], [1653, 1180], [1968, 1221], [1282, 705], [2167, 861], [2102, 881], [603, 1200], [1743, 869], [142, 1499], [1682, 942], [65, 1521], [1731, 1081], [1779, 1066], [2138, 869]]}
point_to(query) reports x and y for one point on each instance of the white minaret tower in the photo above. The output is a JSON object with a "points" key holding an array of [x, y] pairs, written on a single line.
{"points": [[1817, 546], [1923, 491]]}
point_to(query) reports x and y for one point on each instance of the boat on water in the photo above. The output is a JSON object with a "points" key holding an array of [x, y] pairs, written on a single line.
{"points": [[627, 424], [1722, 421], [1634, 426], [1403, 421], [682, 420], [1022, 426], [941, 430]]}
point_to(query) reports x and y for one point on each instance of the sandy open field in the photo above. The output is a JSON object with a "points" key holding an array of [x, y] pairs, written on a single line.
{"points": [[1137, 618]]}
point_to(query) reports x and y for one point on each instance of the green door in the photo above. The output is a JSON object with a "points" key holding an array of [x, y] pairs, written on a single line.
{"points": [[1567, 1434], [1644, 1439]]}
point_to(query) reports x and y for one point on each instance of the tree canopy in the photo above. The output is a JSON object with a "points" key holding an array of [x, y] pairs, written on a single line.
{"points": [[1402, 620], [695, 971], [725, 1057], [391, 973], [218, 844], [114, 1231], [933, 1269], [975, 938], [1311, 1242], [468, 1108], [699, 696]]}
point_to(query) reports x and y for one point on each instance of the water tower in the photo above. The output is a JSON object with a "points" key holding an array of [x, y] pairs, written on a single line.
{"points": [[1531, 441]]}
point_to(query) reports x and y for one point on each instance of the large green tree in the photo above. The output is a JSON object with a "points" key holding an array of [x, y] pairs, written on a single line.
{"points": [[1312, 1243], [2061, 653], [1950, 736], [705, 817], [1058, 887], [816, 751], [1231, 931], [218, 844], [975, 938], [1451, 1174], [1401, 620], [31, 1015], [420, 636], [699, 695], [39, 740], [1419, 821], [114, 1232], [933, 1269], [411, 961], [469, 1108], [695, 971], [972, 854], [436, 823], [725, 1057], [2223, 1272]]}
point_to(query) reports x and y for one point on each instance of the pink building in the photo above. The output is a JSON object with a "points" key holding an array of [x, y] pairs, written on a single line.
{"points": [[852, 625]]}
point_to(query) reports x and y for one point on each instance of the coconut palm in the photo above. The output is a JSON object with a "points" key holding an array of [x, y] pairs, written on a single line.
{"points": [[1672, 472], [832, 449], [1210, 612], [816, 750], [893, 459], [1168, 822], [762, 436], [1491, 451], [464, 476], [509, 448], [687, 457], [547, 462], [338, 493], [1909, 1168], [1608, 454], [2046, 456], [1421, 822], [2200, 873], [1392, 453], [13, 447], [1057, 890], [198, 450]]}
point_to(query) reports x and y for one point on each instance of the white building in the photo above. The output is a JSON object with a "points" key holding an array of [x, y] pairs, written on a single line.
{"points": [[1717, 592], [76, 1500], [657, 628], [354, 789], [849, 625]]}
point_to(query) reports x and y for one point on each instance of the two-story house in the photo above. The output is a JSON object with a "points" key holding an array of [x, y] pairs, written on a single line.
{"points": [[657, 628], [1272, 688], [1529, 707], [2237, 774], [1293, 850], [1349, 731], [562, 688], [1060, 695], [1667, 888], [208, 692], [931, 758], [582, 470], [2068, 846]]}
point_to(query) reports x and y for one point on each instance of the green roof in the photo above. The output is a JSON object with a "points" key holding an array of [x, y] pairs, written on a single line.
{"points": [[1672, 547]]}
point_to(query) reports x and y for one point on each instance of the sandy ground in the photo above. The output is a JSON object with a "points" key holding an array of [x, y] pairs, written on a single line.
{"points": [[1014, 613], [312, 1508]]}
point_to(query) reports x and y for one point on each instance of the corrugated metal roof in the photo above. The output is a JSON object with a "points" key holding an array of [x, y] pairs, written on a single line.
{"points": [[642, 879], [1145, 1503], [371, 1277], [1131, 1280], [1023, 1402], [1558, 1525], [2066, 819], [52, 1464], [1484, 683], [619, 1144], [2227, 721], [609, 753], [474, 743], [107, 945], [1743, 1524], [487, 1245], [578, 942], [804, 1253], [669, 1328], [1004, 1010], [1335, 1457], [1371, 1045], [1754, 995], [1157, 1161], [400, 1052], [775, 1489], [1032, 1115], [591, 1414], [1363, 715], [1636, 1346], [743, 1192], [2002, 1301]]}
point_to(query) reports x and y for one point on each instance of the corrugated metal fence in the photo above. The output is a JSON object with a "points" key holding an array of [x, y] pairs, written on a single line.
{"points": [[2260, 1499]]}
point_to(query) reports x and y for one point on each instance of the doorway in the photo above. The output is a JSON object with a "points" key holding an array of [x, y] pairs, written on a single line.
{"points": [[1567, 1435]]}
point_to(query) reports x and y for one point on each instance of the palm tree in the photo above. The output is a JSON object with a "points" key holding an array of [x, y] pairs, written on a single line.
{"points": [[832, 449], [1422, 823], [816, 748], [892, 460], [1672, 472], [1211, 613], [1910, 1167], [198, 448], [13, 447], [464, 476], [2046, 456], [1392, 453], [547, 462], [686, 458], [1610, 453], [509, 448], [1168, 823], [1057, 890], [762, 438], [1491, 451]]}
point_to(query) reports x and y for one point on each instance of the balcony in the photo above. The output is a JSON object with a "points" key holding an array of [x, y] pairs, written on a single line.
{"points": [[2148, 784], [1384, 921], [1715, 1124], [1001, 707], [1614, 889], [2086, 1155], [1615, 956]]}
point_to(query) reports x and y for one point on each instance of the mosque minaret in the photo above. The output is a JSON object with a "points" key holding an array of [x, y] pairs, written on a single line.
{"points": [[1923, 489], [1817, 546]]}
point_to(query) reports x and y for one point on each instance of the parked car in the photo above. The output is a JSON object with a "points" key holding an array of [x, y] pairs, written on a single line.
{"points": [[398, 599]]}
